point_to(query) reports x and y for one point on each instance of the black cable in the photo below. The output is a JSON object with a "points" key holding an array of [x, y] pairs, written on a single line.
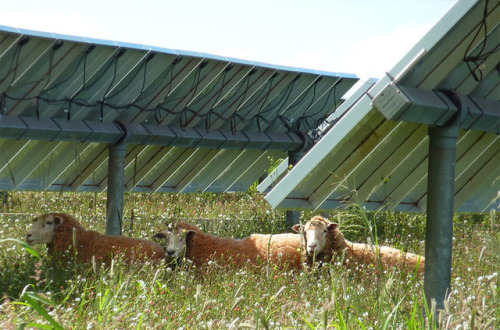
{"points": [[143, 65], [268, 85], [472, 61], [115, 60], [36, 109], [3, 106], [219, 92], [23, 41], [193, 89], [51, 59], [230, 110], [82, 59], [283, 99], [15, 59], [241, 96], [303, 96], [15, 66], [159, 107]]}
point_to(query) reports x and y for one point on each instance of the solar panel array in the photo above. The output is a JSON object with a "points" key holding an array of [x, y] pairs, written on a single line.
{"points": [[193, 121], [368, 159]]}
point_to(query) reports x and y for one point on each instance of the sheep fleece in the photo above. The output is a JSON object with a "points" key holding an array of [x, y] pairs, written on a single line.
{"points": [[361, 253], [103, 247], [284, 249]]}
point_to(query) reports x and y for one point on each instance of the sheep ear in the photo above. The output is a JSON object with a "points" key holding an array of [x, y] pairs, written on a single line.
{"points": [[332, 226], [297, 228], [58, 221], [160, 235], [190, 234]]}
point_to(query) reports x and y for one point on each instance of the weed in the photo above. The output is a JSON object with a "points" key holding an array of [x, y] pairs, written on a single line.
{"points": [[45, 293]]}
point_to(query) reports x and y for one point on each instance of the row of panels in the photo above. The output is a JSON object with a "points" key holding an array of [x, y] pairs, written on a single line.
{"points": [[207, 111], [382, 164]]}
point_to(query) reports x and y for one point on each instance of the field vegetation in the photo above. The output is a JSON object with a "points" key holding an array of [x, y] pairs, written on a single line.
{"points": [[37, 292]]}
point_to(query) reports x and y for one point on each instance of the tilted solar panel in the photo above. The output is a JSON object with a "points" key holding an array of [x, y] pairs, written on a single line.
{"points": [[377, 153], [192, 121]]}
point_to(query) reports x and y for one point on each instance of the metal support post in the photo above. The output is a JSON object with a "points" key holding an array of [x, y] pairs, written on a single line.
{"points": [[116, 188], [439, 227]]}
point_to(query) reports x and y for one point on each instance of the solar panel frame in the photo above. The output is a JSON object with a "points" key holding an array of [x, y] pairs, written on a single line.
{"points": [[376, 181], [181, 109]]}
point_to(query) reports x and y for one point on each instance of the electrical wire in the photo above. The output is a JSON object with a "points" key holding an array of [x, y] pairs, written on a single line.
{"points": [[474, 61], [212, 103]]}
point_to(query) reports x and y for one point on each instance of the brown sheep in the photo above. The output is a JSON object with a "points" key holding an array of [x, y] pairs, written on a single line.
{"points": [[56, 230], [323, 241], [281, 249]]}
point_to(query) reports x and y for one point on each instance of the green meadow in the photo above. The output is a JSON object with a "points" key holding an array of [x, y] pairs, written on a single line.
{"points": [[39, 292]]}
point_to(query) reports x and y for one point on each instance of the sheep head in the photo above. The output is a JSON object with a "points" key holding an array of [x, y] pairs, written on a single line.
{"points": [[315, 233], [44, 229], [175, 240]]}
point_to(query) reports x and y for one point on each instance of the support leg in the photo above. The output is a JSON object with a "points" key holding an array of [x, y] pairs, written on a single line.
{"points": [[439, 227], [116, 188]]}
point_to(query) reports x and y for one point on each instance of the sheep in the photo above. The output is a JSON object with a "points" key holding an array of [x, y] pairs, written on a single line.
{"points": [[56, 230], [174, 240], [323, 241], [281, 249]]}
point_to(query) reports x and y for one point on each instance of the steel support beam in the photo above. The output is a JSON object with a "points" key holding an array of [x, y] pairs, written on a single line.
{"points": [[445, 112], [116, 188], [439, 226], [436, 108], [84, 131]]}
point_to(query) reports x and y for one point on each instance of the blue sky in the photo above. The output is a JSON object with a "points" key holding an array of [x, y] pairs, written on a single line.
{"points": [[363, 37]]}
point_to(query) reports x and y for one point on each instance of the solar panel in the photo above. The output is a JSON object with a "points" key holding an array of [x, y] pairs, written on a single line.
{"points": [[377, 153], [193, 121]]}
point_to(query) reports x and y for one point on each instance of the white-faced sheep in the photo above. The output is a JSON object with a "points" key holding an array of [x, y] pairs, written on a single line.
{"points": [[323, 242], [174, 241], [282, 250], [56, 230]]}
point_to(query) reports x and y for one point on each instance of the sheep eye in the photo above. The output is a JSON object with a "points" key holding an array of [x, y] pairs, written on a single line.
{"points": [[324, 231], [48, 223]]}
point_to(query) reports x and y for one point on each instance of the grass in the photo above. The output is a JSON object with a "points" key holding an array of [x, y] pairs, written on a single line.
{"points": [[41, 293]]}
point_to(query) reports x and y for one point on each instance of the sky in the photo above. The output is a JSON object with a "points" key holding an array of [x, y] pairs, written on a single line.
{"points": [[362, 37]]}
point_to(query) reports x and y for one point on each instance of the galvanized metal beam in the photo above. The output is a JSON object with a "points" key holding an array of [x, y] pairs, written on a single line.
{"points": [[50, 129], [444, 112], [439, 226], [116, 188], [430, 107]]}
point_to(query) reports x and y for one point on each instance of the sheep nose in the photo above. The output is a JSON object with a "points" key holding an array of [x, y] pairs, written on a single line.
{"points": [[312, 247], [28, 235], [170, 253]]}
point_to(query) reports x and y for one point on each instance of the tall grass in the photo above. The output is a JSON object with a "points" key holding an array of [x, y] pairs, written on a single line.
{"points": [[44, 293]]}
